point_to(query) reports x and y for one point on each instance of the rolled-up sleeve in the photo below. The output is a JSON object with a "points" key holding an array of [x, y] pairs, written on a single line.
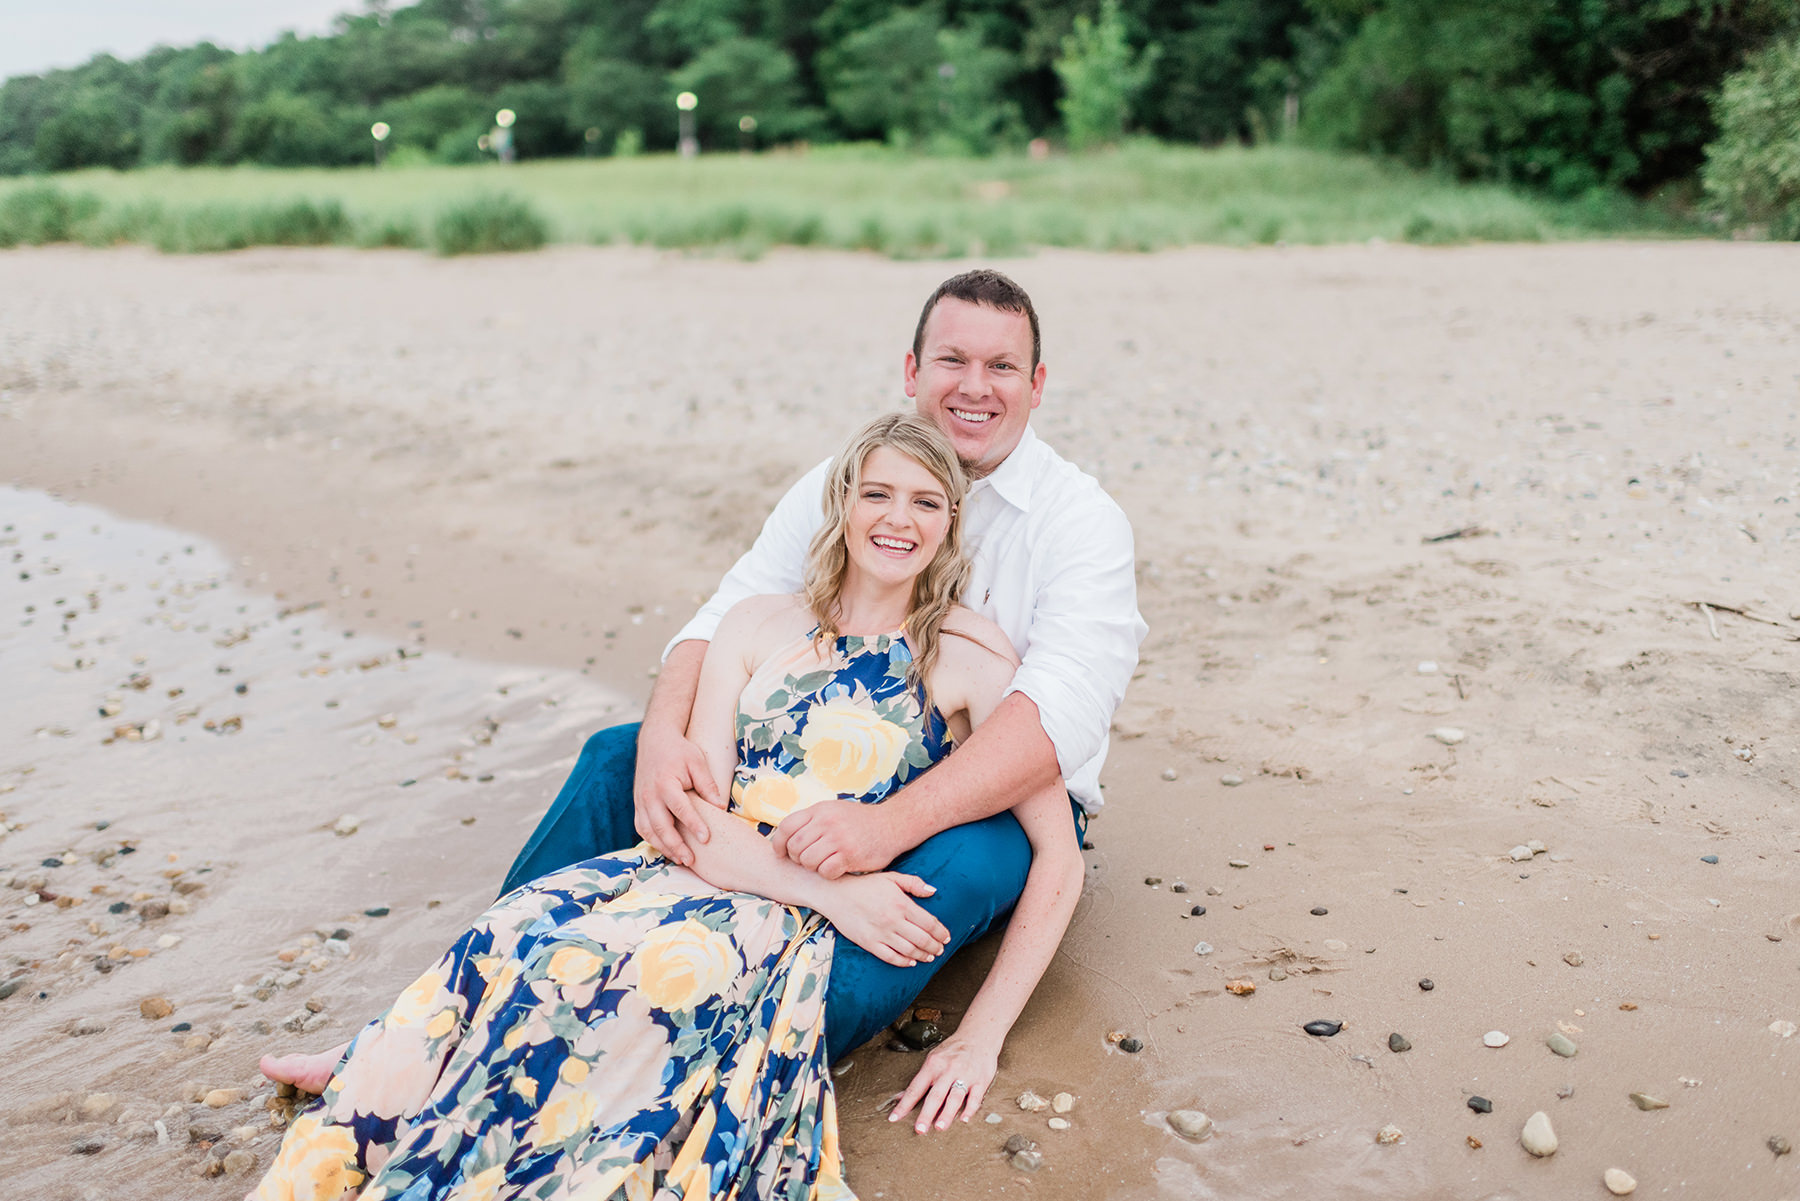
{"points": [[1085, 630], [774, 564]]}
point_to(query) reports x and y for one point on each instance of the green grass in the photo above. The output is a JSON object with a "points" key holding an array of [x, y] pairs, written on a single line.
{"points": [[1139, 198]]}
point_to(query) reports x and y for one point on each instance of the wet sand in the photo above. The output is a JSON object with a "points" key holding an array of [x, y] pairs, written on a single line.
{"points": [[526, 470]]}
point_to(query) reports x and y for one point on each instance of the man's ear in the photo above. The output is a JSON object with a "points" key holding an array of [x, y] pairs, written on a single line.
{"points": [[1037, 384], [910, 372]]}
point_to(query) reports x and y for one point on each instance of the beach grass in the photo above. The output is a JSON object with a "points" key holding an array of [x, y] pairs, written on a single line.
{"points": [[1141, 197]]}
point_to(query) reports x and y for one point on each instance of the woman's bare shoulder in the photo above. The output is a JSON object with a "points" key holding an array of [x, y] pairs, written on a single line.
{"points": [[758, 621], [975, 641]]}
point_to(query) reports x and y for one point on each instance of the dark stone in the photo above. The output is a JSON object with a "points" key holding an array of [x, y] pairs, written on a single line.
{"points": [[1178, 886], [1198, 911], [1709, 858], [1131, 1046], [1678, 773], [154, 909], [88, 1146], [1779, 1145], [407, 783], [1153, 881], [101, 825], [241, 689], [919, 1034], [1481, 1105], [9, 987], [181, 1027], [376, 911], [1319, 911], [485, 779], [1426, 985], [340, 933], [1086, 845], [1397, 1043], [1322, 1028], [52, 863], [118, 907], [1018, 1143]]}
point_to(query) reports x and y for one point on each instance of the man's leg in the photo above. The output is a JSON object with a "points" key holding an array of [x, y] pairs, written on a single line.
{"points": [[979, 870], [593, 813]]}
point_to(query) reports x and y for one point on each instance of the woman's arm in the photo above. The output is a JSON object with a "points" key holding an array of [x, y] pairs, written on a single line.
{"points": [[980, 670], [972, 1054]]}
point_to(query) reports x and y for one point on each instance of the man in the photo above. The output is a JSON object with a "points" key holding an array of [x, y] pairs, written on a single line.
{"points": [[1053, 565]]}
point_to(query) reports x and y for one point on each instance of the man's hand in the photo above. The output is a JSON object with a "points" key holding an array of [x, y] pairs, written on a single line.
{"points": [[670, 771], [835, 837]]}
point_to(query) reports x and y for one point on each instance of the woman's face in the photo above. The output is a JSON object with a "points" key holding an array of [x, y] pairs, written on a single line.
{"points": [[897, 518]]}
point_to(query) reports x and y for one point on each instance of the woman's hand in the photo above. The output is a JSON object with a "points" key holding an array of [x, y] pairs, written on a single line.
{"points": [[952, 1083], [877, 913]]}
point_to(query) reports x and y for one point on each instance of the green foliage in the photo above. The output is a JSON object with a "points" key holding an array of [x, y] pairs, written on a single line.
{"points": [[1753, 169], [488, 223], [1565, 95], [740, 77], [1100, 74], [42, 213], [615, 97], [917, 83]]}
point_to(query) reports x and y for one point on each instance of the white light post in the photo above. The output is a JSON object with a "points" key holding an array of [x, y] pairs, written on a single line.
{"points": [[688, 145], [501, 139], [592, 140], [379, 131], [746, 133]]}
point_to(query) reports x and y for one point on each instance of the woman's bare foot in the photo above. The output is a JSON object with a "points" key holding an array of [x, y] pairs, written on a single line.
{"points": [[308, 1073]]}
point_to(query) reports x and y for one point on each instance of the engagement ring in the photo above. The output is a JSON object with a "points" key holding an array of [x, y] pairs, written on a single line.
{"points": [[959, 1084]]}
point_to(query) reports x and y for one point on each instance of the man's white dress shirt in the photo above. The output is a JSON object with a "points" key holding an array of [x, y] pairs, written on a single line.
{"points": [[1053, 566]]}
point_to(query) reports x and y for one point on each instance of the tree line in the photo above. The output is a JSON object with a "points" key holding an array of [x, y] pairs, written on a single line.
{"points": [[1560, 95]]}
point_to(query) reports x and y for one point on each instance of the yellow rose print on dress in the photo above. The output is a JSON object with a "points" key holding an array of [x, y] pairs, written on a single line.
{"points": [[768, 795], [421, 1001], [317, 1162], [562, 1118], [681, 965], [573, 965], [849, 748]]}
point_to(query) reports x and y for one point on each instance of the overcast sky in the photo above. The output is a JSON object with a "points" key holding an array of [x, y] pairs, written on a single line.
{"points": [[36, 35]]}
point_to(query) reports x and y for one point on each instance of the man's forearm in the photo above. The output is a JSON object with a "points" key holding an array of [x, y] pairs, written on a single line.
{"points": [[1007, 759], [672, 696]]}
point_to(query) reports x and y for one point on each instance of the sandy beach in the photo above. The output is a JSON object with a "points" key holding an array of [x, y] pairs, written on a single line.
{"points": [[1473, 583]]}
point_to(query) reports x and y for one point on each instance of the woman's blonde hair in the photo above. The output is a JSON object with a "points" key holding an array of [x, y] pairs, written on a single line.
{"points": [[936, 588]]}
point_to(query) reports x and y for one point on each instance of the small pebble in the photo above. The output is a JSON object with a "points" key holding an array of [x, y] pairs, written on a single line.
{"points": [[1131, 1046], [1538, 1137], [1191, 1124], [1278, 973], [1030, 1102], [181, 1027], [219, 1098], [1678, 773], [1397, 1043], [1562, 1044], [1427, 668], [1231, 781], [1153, 881], [1322, 1027], [88, 1146], [377, 911], [1169, 773], [1573, 959], [1496, 1038], [1566, 1091], [1618, 1182], [1709, 858], [1646, 1102], [994, 1119], [155, 1008], [1017, 1143], [1448, 735], [346, 825], [1520, 853], [1062, 1103], [1780, 1026], [1388, 1135], [1203, 948], [1197, 911], [1238, 862], [1474, 1143], [1481, 1105], [9, 987], [1178, 886], [1240, 987], [920, 1035], [1779, 1145], [1319, 911], [1059, 1123], [1028, 1161], [240, 1163], [1426, 985]]}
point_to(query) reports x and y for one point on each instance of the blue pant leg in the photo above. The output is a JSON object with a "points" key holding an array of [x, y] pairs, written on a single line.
{"points": [[593, 813], [979, 870]]}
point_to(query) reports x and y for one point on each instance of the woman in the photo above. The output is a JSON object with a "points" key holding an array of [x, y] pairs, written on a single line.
{"points": [[627, 1025]]}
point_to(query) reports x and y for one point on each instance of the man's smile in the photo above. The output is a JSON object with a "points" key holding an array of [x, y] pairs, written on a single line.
{"points": [[970, 416]]}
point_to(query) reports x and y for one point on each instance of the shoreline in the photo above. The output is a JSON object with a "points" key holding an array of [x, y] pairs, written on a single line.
{"points": [[526, 423]]}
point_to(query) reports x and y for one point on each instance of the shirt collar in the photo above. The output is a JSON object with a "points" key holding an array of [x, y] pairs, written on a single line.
{"points": [[1012, 479]]}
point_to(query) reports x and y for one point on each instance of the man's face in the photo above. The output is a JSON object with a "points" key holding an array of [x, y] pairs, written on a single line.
{"points": [[974, 380]]}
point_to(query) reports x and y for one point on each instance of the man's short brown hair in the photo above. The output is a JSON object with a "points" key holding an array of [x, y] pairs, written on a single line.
{"points": [[982, 286]]}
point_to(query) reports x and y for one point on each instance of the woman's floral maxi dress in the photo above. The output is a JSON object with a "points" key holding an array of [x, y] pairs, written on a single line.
{"points": [[621, 1028]]}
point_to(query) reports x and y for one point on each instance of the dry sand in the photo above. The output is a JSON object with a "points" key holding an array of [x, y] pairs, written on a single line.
{"points": [[525, 469]]}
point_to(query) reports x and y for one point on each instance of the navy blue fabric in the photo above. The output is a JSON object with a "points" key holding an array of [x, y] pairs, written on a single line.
{"points": [[979, 871]]}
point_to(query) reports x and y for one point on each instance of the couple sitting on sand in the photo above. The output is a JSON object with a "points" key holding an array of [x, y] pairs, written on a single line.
{"points": [[860, 754]]}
